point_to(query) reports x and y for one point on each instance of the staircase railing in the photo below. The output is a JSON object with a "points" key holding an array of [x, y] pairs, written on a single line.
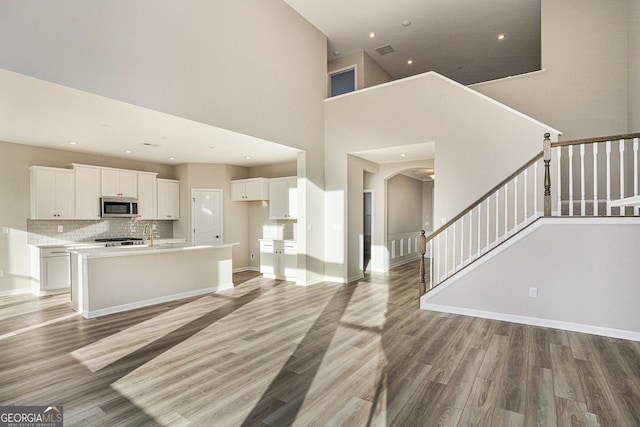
{"points": [[589, 183]]}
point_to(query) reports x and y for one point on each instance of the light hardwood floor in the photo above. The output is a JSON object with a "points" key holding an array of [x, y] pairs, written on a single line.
{"points": [[272, 353]]}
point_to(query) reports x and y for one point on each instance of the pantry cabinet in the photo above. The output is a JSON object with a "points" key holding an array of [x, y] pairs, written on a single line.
{"points": [[147, 196], [52, 193], [283, 198]]}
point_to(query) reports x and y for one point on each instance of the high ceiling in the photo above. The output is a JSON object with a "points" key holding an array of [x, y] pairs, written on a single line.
{"points": [[456, 38]]}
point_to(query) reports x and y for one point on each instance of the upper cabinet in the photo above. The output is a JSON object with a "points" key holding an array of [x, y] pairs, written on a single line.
{"points": [[52, 193], [147, 196], [283, 198], [246, 190], [88, 192], [119, 183], [168, 199]]}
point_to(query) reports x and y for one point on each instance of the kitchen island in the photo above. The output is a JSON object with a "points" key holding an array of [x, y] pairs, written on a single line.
{"points": [[111, 280]]}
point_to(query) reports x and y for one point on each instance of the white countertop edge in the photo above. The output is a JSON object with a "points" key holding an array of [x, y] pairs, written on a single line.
{"points": [[145, 250], [80, 245]]}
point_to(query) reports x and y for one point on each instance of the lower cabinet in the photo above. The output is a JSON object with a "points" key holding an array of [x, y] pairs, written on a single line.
{"points": [[55, 271], [279, 259]]}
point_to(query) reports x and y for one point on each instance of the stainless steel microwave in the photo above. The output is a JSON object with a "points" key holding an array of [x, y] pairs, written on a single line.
{"points": [[118, 207]]}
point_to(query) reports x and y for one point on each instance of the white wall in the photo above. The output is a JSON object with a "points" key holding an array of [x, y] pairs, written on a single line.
{"points": [[404, 205], [583, 89], [633, 72], [470, 159], [368, 72], [584, 272]]}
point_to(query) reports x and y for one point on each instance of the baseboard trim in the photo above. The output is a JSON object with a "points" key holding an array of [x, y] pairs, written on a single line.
{"points": [[15, 292], [535, 321], [153, 301], [355, 277], [249, 268], [406, 260]]}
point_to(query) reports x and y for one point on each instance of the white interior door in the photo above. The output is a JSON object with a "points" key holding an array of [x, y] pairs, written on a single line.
{"points": [[206, 216]]}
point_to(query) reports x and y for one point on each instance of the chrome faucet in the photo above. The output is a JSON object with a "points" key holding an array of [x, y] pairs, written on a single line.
{"points": [[148, 229]]}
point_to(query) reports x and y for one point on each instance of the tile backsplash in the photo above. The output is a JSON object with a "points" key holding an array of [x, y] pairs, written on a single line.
{"points": [[46, 232]]}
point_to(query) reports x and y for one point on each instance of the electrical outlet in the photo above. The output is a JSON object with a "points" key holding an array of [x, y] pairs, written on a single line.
{"points": [[253, 256], [533, 292], [60, 228]]}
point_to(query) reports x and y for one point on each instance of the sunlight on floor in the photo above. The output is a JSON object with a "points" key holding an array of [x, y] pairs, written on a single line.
{"points": [[108, 350], [39, 325]]}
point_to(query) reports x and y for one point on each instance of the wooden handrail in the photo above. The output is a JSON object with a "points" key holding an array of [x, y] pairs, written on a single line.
{"points": [[593, 140], [484, 196]]}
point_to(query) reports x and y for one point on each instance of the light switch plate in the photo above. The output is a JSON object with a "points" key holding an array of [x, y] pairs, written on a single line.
{"points": [[60, 228], [533, 292]]}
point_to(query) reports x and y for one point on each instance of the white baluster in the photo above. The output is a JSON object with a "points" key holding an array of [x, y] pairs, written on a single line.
{"points": [[479, 227], [526, 196], [439, 276], [497, 216], [462, 242], [582, 203], [621, 148], [431, 276], [446, 252], [515, 204], [453, 252], [608, 177], [595, 179], [636, 210], [506, 209], [488, 221], [559, 153], [470, 234], [535, 189], [571, 180]]}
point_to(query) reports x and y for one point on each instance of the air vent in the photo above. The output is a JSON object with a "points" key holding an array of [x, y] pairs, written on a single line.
{"points": [[387, 48]]}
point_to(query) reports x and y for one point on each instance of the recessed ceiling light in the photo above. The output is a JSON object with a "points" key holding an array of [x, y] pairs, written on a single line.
{"points": [[247, 158], [406, 23], [172, 158], [410, 61], [73, 143], [127, 151], [403, 155], [372, 34], [501, 37]]}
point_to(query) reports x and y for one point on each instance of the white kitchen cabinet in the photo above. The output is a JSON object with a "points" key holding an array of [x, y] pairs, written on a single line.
{"points": [[55, 271], [279, 259], [246, 190], [147, 196], [119, 183], [168, 199], [283, 198], [52, 193], [88, 192]]}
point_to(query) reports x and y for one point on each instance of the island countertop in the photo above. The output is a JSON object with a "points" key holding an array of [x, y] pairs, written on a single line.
{"points": [[119, 251]]}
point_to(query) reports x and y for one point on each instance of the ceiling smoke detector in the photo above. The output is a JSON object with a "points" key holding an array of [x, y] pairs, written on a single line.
{"points": [[383, 50]]}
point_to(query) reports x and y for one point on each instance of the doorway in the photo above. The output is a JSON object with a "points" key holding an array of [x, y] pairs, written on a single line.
{"points": [[366, 232], [206, 216]]}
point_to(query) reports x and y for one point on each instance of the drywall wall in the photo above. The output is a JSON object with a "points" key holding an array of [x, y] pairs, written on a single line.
{"points": [[15, 159], [427, 206], [374, 74], [404, 204], [423, 108], [219, 63], [581, 268], [235, 215], [368, 72], [583, 89], [633, 58]]}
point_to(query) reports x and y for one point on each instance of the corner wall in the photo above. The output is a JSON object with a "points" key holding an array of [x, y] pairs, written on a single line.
{"points": [[583, 88]]}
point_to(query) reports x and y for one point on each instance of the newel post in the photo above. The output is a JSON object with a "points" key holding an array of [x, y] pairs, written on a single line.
{"points": [[546, 156], [423, 251]]}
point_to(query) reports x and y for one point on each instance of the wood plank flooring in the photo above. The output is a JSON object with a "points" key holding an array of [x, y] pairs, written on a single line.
{"points": [[271, 353]]}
